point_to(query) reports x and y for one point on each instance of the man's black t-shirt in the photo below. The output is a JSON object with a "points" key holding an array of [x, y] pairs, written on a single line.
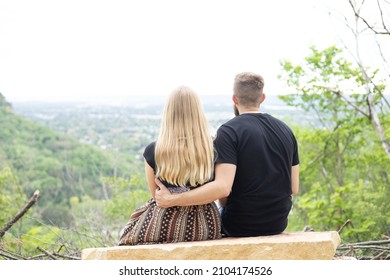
{"points": [[264, 149]]}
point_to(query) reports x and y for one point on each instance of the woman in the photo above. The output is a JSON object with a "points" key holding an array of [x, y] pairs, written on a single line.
{"points": [[182, 158]]}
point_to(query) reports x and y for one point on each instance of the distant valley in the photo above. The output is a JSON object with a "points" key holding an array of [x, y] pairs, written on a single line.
{"points": [[128, 124]]}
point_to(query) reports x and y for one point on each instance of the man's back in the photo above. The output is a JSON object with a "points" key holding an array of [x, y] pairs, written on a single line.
{"points": [[263, 148]]}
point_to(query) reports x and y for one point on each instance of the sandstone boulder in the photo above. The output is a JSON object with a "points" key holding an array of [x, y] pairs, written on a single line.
{"points": [[285, 246]]}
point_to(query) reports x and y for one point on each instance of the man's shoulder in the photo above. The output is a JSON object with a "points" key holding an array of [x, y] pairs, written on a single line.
{"points": [[276, 120], [241, 120], [269, 117], [237, 120], [228, 124]]}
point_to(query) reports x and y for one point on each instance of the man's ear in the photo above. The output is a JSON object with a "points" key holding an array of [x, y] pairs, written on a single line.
{"points": [[235, 99], [262, 98]]}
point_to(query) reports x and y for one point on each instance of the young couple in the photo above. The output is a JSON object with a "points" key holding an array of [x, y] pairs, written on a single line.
{"points": [[251, 167]]}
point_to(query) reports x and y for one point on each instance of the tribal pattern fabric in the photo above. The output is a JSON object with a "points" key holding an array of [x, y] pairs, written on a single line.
{"points": [[150, 224]]}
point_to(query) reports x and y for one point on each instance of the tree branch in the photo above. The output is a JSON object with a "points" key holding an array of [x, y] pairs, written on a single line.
{"points": [[344, 225], [47, 253], [358, 16], [66, 256], [10, 255], [339, 94], [376, 242], [23, 211], [383, 22], [7, 256], [364, 247]]}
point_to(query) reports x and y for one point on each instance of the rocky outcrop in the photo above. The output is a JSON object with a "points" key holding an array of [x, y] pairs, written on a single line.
{"points": [[285, 246]]}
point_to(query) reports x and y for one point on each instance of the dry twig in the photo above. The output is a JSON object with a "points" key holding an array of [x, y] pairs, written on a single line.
{"points": [[11, 255], [371, 250], [66, 256], [344, 225], [20, 214], [47, 253]]}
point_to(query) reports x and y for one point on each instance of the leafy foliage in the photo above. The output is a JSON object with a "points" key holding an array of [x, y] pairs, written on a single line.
{"points": [[344, 170]]}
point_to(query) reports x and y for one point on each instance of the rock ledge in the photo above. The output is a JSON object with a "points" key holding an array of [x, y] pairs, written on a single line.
{"points": [[285, 246]]}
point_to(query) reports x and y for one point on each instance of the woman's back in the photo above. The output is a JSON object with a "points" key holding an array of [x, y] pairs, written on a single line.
{"points": [[183, 158]]}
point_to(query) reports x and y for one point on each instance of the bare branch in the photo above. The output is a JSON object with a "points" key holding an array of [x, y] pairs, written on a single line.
{"points": [[358, 16], [7, 256], [344, 225], [66, 256], [365, 247], [47, 253], [385, 62], [376, 242], [338, 93], [36, 257], [20, 214], [383, 22], [370, 249], [379, 255], [11, 255]]}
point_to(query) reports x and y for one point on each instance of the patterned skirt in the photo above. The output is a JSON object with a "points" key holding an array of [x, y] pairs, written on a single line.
{"points": [[150, 224]]}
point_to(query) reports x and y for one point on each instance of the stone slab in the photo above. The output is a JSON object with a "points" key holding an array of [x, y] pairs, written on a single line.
{"points": [[285, 246]]}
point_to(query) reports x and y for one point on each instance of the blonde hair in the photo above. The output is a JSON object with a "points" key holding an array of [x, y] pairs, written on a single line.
{"points": [[184, 148]]}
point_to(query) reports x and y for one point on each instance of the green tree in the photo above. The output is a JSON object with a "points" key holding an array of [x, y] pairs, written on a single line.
{"points": [[343, 164]]}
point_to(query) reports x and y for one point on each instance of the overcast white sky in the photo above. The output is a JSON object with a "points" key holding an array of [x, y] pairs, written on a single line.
{"points": [[83, 49]]}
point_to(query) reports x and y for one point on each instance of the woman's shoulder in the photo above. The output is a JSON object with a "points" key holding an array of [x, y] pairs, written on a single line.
{"points": [[151, 146], [149, 154]]}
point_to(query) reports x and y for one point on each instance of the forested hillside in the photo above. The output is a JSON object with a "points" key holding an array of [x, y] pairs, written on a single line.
{"points": [[70, 177], [56, 163]]}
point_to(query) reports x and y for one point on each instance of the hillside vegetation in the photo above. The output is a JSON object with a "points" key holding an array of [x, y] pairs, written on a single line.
{"points": [[76, 183]]}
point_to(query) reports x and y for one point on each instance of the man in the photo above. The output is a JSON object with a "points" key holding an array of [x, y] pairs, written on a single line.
{"points": [[256, 171]]}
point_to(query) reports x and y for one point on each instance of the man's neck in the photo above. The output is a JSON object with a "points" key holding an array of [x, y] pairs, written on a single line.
{"points": [[249, 110]]}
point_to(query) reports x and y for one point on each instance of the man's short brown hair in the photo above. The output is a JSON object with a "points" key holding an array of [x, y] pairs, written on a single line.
{"points": [[248, 88]]}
